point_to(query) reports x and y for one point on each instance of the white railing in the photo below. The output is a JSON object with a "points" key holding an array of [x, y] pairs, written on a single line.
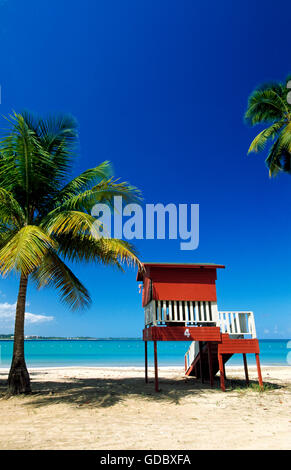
{"points": [[237, 323], [166, 311]]}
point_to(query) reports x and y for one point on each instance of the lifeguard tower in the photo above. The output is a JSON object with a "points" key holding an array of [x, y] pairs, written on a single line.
{"points": [[180, 304]]}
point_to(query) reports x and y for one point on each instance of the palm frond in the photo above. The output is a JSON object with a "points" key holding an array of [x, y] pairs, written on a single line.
{"points": [[58, 135], [53, 272], [273, 160], [22, 143], [124, 251], [10, 210], [86, 248], [259, 142], [25, 250], [72, 222], [103, 192], [85, 181], [266, 104], [36, 157], [25, 166], [285, 138], [6, 234]]}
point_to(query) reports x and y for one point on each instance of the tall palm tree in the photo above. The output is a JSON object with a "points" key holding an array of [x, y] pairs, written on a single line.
{"points": [[45, 218], [268, 104]]}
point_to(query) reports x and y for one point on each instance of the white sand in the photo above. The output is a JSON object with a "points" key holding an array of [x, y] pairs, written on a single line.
{"points": [[104, 408]]}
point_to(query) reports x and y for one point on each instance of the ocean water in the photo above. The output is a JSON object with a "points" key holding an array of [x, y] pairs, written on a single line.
{"points": [[102, 353]]}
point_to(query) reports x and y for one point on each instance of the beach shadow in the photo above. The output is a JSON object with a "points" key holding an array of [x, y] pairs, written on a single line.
{"points": [[106, 392]]}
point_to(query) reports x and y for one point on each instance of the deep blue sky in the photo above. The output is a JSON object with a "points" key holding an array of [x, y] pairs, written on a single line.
{"points": [[160, 89]]}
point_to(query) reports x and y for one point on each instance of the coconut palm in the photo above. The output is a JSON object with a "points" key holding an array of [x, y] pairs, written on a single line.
{"points": [[268, 105], [45, 219]]}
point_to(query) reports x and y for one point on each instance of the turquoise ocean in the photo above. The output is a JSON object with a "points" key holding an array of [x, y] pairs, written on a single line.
{"points": [[108, 353]]}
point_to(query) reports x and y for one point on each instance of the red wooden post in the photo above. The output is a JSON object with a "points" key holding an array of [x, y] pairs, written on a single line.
{"points": [[146, 361], [259, 370], [201, 368], [210, 363], [156, 367], [246, 368], [221, 370]]}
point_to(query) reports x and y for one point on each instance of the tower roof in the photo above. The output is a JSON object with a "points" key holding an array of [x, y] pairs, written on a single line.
{"points": [[147, 265]]}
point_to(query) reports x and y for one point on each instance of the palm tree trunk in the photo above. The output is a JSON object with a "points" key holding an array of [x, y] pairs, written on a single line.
{"points": [[18, 379]]}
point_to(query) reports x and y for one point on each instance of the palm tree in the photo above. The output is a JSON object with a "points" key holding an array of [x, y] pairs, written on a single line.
{"points": [[268, 104], [45, 218]]}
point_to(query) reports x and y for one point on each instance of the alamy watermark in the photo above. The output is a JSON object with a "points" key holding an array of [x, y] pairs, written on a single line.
{"points": [[152, 221]]}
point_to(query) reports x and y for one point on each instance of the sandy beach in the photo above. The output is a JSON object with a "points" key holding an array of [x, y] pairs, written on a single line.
{"points": [[104, 408]]}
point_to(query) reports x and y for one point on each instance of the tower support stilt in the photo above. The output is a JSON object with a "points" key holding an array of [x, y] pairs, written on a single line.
{"points": [[156, 367]]}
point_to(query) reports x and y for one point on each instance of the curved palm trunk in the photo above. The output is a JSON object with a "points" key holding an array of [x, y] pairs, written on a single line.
{"points": [[18, 379]]}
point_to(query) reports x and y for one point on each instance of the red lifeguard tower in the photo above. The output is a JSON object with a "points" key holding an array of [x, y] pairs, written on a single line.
{"points": [[180, 304]]}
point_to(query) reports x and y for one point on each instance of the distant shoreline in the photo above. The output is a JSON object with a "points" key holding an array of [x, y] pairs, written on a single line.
{"points": [[76, 339], [113, 339]]}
